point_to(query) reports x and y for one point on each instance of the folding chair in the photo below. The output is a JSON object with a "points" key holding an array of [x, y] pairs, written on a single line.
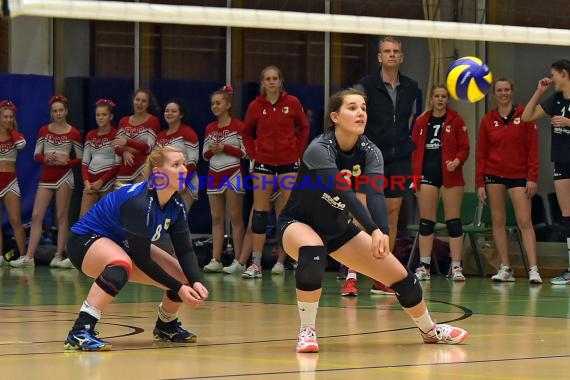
{"points": [[476, 219]]}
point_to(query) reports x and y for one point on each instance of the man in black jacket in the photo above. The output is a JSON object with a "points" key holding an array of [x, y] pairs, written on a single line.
{"points": [[391, 97]]}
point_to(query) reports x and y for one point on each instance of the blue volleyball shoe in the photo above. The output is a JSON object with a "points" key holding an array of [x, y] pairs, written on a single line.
{"points": [[86, 340], [173, 332]]}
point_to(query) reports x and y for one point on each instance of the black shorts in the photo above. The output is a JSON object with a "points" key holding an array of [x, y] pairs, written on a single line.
{"points": [[332, 243], [561, 171], [398, 177], [261, 168], [508, 182], [78, 245], [432, 176]]}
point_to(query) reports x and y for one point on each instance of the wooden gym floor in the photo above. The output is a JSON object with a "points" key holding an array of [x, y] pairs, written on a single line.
{"points": [[248, 329]]}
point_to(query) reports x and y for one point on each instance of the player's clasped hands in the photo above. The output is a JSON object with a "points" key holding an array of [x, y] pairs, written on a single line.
{"points": [[194, 295]]}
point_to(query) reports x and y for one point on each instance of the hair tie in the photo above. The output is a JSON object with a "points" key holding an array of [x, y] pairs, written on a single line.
{"points": [[105, 102], [8, 104], [57, 98], [228, 89]]}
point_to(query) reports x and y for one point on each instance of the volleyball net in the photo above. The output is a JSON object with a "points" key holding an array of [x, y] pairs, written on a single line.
{"points": [[285, 20]]}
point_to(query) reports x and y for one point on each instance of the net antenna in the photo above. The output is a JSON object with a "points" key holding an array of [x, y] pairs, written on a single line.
{"points": [[267, 19]]}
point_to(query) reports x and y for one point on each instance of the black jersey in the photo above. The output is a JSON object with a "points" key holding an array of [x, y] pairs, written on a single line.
{"points": [[556, 105], [432, 155], [324, 193]]}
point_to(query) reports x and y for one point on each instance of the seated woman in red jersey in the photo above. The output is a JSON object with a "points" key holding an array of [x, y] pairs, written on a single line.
{"points": [[508, 162], [11, 141], [183, 137], [224, 150], [136, 136], [54, 145], [100, 162]]}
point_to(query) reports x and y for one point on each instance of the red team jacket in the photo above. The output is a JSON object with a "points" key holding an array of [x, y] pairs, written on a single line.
{"points": [[507, 150], [275, 134], [454, 144]]}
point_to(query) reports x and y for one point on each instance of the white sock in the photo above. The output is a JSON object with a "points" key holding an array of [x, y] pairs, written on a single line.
{"points": [[455, 263], [424, 322], [165, 316], [351, 275], [425, 260], [307, 313], [256, 258], [533, 267], [91, 310]]}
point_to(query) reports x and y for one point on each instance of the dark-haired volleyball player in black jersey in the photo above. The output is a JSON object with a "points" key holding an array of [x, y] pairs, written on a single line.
{"points": [[557, 106], [113, 243], [316, 221]]}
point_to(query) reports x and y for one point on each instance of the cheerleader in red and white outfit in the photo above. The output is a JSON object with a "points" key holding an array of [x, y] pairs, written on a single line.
{"points": [[183, 137], [10, 142], [55, 142], [224, 149], [100, 161], [136, 137]]}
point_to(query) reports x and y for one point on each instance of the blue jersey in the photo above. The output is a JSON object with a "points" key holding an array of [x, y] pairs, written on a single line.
{"points": [[133, 209], [133, 218]]}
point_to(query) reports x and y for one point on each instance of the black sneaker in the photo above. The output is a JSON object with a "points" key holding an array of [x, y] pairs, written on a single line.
{"points": [[173, 332]]}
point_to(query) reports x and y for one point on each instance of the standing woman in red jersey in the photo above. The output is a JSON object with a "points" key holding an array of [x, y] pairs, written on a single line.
{"points": [[442, 147], [508, 162], [223, 148], [10, 142], [136, 137], [100, 161], [184, 138], [275, 136], [55, 142]]}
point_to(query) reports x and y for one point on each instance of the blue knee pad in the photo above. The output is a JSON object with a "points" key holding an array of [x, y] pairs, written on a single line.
{"points": [[454, 227], [427, 227], [310, 267], [259, 221], [408, 291], [114, 277]]}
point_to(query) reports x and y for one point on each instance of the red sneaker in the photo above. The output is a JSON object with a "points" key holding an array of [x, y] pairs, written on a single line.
{"points": [[380, 288], [349, 288]]}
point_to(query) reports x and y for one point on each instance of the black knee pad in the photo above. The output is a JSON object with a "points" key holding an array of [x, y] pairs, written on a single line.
{"points": [[114, 277], [426, 227], [454, 227], [259, 221], [408, 291], [310, 267]]}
